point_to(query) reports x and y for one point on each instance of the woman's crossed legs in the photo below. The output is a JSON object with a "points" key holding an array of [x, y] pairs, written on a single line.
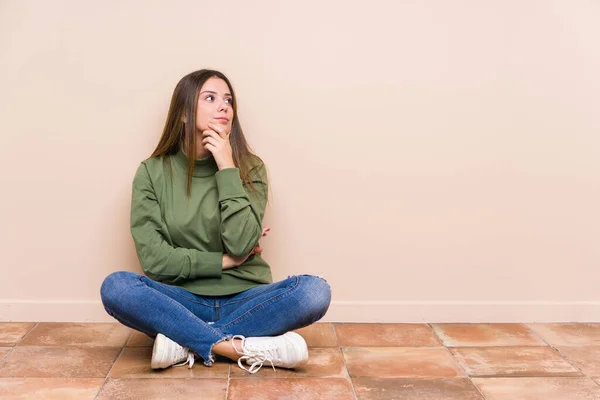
{"points": [[205, 324]]}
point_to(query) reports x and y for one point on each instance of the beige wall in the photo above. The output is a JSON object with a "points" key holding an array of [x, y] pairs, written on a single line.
{"points": [[434, 160]]}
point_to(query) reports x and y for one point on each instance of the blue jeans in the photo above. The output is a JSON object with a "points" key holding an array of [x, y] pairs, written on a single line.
{"points": [[200, 322]]}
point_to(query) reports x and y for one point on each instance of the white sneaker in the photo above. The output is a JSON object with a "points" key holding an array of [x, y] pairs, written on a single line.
{"points": [[285, 351], [166, 353]]}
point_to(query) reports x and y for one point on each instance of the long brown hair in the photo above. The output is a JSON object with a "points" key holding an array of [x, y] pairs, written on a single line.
{"points": [[184, 103]]}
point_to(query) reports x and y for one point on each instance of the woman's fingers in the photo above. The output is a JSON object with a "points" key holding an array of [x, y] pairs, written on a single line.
{"points": [[210, 140], [211, 133], [210, 148], [219, 129]]}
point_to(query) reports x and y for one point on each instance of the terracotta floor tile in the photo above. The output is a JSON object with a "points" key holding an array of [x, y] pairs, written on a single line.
{"points": [[4, 351], [58, 362], [290, 389], [385, 335], [167, 389], [134, 362], [401, 362], [319, 335], [538, 388], [585, 358], [77, 334], [480, 335], [139, 339], [415, 389], [568, 334], [513, 361], [12, 332], [323, 362], [50, 388]]}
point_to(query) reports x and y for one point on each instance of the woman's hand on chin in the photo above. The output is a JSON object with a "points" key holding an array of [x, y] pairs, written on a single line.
{"points": [[216, 140]]}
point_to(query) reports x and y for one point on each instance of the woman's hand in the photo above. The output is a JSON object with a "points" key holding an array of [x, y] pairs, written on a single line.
{"points": [[216, 140], [231, 262]]}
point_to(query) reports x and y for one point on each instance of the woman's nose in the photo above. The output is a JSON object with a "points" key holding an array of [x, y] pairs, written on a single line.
{"points": [[223, 106]]}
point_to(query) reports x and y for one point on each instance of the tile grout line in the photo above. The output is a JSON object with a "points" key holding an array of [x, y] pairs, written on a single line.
{"points": [[109, 371], [499, 347], [18, 341], [505, 376], [439, 339], [556, 350], [7, 353], [25, 335], [128, 337], [228, 381], [458, 363], [337, 340]]}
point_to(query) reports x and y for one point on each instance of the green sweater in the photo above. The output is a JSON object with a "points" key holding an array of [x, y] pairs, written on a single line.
{"points": [[181, 241]]}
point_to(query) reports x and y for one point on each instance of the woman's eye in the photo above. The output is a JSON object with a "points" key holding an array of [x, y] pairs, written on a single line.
{"points": [[229, 101], [209, 97]]}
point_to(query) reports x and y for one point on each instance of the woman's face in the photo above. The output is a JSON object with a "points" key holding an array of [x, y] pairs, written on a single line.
{"points": [[215, 105]]}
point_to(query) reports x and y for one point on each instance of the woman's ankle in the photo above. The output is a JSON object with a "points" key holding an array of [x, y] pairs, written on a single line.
{"points": [[226, 349]]}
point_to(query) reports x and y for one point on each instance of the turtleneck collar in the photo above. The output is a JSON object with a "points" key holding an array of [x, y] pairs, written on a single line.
{"points": [[202, 166]]}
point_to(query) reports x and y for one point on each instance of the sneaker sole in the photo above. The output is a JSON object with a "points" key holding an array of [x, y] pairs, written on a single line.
{"points": [[299, 342]]}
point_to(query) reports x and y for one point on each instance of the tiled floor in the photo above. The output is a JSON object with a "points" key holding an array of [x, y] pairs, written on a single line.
{"points": [[347, 361]]}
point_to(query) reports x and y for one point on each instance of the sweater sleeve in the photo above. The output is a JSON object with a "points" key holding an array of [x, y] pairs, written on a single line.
{"points": [[241, 213], [159, 259]]}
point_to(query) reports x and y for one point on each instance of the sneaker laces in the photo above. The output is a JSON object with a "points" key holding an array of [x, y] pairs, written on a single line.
{"points": [[257, 358], [190, 359]]}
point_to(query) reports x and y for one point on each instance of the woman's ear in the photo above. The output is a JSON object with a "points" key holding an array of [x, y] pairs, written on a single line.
{"points": [[184, 119]]}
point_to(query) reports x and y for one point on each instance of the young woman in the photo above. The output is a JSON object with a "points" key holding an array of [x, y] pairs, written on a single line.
{"points": [[196, 220]]}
